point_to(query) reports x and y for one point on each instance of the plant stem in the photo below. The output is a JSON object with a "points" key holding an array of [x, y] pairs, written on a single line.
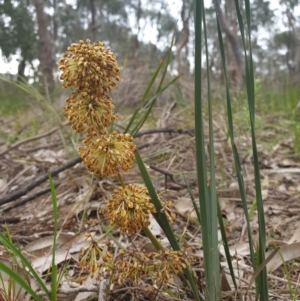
{"points": [[153, 239], [108, 231], [121, 180]]}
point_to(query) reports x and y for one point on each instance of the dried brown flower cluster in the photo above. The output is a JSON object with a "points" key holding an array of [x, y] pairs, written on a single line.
{"points": [[84, 111], [94, 257], [92, 70], [129, 207], [167, 209], [105, 154], [89, 66], [134, 265]]}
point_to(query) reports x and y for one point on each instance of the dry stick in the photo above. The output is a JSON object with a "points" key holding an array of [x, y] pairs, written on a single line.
{"points": [[16, 145], [39, 147], [146, 132], [25, 200], [9, 220], [167, 174], [14, 178], [13, 196], [166, 130]]}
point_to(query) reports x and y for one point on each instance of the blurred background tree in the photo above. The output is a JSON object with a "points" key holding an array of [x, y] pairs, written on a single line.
{"points": [[37, 32]]}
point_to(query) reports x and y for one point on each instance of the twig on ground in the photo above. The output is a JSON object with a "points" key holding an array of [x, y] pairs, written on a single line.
{"points": [[167, 175], [43, 135], [39, 147], [25, 200], [166, 130], [13, 196], [9, 220], [14, 179]]}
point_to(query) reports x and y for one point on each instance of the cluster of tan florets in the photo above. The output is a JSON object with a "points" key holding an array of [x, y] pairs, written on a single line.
{"points": [[92, 70], [157, 265]]}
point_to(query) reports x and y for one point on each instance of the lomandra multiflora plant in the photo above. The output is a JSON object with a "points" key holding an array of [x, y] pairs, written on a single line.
{"points": [[92, 70]]}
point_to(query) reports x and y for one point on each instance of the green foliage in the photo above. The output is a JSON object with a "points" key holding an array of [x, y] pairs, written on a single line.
{"points": [[17, 30], [12, 100], [15, 276]]}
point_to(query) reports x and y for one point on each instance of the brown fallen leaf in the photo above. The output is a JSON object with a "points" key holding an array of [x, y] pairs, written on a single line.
{"points": [[185, 208], [286, 253], [296, 236]]}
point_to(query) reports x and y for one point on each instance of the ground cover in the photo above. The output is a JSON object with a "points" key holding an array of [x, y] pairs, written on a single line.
{"points": [[166, 143]]}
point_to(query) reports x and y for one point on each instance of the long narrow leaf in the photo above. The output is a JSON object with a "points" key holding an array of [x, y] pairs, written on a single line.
{"points": [[54, 267], [152, 80], [196, 208], [159, 90], [17, 252], [16, 277], [234, 149], [226, 247], [149, 86], [212, 247], [163, 221], [166, 64], [150, 106], [262, 280], [159, 216], [204, 198]]}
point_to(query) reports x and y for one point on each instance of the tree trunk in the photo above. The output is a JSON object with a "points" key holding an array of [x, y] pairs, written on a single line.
{"points": [[238, 73], [45, 47], [55, 20], [135, 38], [21, 69], [93, 27], [184, 38]]}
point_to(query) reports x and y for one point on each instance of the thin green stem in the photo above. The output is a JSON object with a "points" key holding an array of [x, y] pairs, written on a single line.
{"points": [[153, 239], [108, 231], [121, 180]]}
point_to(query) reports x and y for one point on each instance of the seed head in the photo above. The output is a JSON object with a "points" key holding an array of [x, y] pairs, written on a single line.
{"points": [[104, 155], [129, 207], [94, 257], [86, 110], [89, 65], [134, 265], [167, 209], [167, 262]]}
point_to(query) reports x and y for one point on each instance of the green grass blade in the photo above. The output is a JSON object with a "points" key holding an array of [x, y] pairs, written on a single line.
{"points": [[17, 278], [159, 216], [169, 55], [54, 267], [226, 247], [152, 80], [26, 263], [196, 208], [262, 280], [148, 88], [163, 221], [212, 248], [150, 105], [212, 279], [159, 90], [234, 149], [132, 119], [54, 282]]}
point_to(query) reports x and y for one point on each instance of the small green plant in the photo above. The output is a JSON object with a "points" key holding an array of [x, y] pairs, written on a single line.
{"points": [[16, 275]]}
